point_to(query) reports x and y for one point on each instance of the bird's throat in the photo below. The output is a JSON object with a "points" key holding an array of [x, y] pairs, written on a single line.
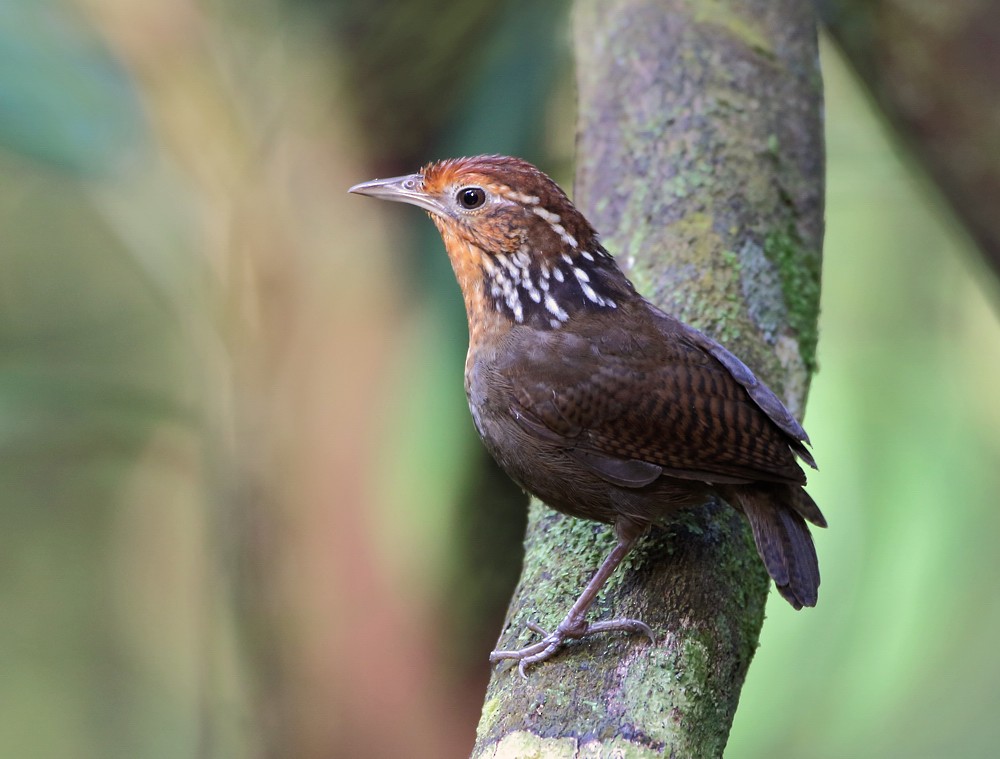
{"points": [[467, 262], [539, 289]]}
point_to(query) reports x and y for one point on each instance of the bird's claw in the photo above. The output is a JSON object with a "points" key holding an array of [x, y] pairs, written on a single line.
{"points": [[567, 630]]}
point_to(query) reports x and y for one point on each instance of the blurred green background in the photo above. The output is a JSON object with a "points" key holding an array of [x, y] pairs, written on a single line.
{"points": [[244, 512]]}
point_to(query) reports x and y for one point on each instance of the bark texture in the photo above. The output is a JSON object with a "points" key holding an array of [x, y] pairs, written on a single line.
{"points": [[700, 159], [933, 68]]}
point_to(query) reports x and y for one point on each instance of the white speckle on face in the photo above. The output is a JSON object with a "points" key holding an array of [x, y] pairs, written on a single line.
{"points": [[583, 279], [564, 235], [551, 218], [554, 220], [517, 280], [511, 282], [553, 307], [504, 290], [513, 300], [589, 292], [519, 197]]}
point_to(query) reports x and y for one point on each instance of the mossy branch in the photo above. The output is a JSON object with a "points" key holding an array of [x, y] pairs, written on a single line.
{"points": [[700, 159]]}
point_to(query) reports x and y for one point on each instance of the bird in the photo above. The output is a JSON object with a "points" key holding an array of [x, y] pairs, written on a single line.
{"points": [[594, 400]]}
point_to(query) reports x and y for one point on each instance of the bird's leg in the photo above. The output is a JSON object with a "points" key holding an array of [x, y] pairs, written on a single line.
{"points": [[574, 624]]}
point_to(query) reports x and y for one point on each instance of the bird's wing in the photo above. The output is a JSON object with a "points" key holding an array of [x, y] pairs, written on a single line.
{"points": [[631, 409]]}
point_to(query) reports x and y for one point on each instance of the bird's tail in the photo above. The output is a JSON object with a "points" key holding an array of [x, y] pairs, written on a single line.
{"points": [[777, 516]]}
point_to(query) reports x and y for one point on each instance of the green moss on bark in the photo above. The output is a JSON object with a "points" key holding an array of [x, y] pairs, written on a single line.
{"points": [[799, 270]]}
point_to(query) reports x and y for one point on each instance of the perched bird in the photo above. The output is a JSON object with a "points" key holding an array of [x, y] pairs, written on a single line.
{"points": [[594, 400]]}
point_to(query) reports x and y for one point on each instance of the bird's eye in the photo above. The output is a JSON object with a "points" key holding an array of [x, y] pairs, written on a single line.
{"points": [[471, 197]]}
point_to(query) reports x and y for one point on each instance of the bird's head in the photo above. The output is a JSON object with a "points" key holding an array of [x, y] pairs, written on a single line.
{"points": [[518, 245]]}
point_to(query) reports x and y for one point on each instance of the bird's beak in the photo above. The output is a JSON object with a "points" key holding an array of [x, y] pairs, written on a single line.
{"points": [[405, 189]]}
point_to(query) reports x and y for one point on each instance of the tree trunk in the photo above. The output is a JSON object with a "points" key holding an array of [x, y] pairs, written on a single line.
{"points": [[933, 68], [700, 159]]}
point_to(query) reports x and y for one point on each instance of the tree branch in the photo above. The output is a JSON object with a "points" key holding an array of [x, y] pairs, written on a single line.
{"points": [[931, 67], [701, 161]]}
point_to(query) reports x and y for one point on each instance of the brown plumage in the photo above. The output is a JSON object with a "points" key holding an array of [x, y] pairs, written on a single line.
{"points": [[593, 399]]}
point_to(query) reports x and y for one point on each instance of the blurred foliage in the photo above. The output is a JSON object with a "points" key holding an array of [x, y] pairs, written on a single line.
{"points": [[467, 83], [933, 68], [64, 99], [895, 660], [235, 444], [407, 77]]}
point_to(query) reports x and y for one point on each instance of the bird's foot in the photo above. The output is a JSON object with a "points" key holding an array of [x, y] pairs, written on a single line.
{"points": [[568, 629]]}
